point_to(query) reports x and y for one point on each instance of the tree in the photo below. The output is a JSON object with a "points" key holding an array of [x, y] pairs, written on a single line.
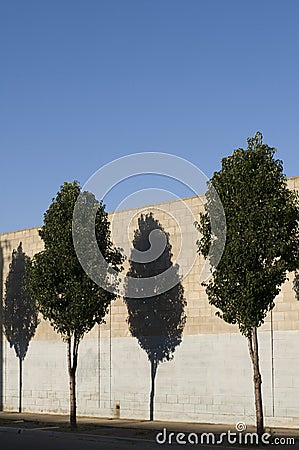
{"points": [[65, 295], [261, 243], [158, 321], [20, 317]]}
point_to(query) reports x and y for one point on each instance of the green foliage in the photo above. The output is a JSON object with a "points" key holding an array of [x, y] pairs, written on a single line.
{"points": [[65, 295], [262, 235]]}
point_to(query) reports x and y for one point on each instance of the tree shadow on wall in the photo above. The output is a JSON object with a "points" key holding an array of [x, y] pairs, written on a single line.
{"points": [[296, 284], [20, 317], [156, 321], [4, 245], [1, 328]]}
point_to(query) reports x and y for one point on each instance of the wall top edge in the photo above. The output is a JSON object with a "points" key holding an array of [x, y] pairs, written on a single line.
{"points": [[112, 212], [156, 204], [20, 231], [129, 209]]}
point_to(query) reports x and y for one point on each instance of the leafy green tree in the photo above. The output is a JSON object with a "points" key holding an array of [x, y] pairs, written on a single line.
{"points": [[64, 293], [261, 243], [20, 317], [157, 322]]}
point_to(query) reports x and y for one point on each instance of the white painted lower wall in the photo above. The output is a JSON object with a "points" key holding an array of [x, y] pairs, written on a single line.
{"points": [[209, 379]]}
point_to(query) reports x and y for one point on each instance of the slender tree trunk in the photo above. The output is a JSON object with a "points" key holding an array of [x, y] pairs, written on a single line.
{"points": [[152, 395], [20, 383], [72, 356], [73, 406], [257, 379]]}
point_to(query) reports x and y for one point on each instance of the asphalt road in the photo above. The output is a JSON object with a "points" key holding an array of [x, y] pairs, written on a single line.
{"points": [[34, 440], [39, 441]]}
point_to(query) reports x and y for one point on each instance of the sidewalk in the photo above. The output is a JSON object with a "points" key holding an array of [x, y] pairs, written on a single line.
{"points": [[120, 427]]}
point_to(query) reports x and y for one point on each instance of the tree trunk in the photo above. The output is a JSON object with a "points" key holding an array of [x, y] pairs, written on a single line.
{"points": [[73, 406], [257, 379], [20, 383], [72, 357], [152, 395]]}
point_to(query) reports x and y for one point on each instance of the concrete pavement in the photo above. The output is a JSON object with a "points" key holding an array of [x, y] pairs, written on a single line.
{"points": [[121, 427]]}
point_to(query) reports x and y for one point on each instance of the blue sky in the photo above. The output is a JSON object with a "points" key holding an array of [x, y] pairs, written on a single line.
{"points": [[85, 82]]}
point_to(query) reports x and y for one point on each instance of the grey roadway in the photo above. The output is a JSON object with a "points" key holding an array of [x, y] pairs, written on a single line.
{"points": [[29, 439]]}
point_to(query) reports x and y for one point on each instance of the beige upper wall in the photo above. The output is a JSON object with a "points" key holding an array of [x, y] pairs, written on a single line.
{"points": [[177, 218]]}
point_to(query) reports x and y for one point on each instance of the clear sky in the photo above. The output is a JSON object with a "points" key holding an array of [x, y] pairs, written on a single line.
{"points": [[83, 82]]}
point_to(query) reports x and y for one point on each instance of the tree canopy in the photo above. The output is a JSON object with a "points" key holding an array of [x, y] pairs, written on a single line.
{"points": [[65, 295], [261, 238]]}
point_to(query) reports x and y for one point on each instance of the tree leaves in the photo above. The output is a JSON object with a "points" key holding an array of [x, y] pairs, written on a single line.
{"points": [[262, 239], [65, 295]]}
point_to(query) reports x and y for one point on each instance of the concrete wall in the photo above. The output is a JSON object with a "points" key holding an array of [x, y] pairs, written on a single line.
{"points": [[210, 376]]}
